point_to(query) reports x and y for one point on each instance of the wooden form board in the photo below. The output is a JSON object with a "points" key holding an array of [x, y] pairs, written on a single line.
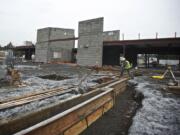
{"points": [[77, 120], [72, 120]]}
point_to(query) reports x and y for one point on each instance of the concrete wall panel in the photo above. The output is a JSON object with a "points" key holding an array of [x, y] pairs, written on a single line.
{"points": [[60, 33], [45, 47], [43, 34], [90, 42]]}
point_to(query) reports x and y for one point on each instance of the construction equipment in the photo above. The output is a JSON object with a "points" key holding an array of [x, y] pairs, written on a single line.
{"points": [[162, 76]]}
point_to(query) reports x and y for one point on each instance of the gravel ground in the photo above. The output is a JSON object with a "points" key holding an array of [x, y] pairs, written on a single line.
{"points": [[32, 77]]}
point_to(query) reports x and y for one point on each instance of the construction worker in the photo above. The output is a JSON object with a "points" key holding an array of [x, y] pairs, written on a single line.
{"points": [[125, 66]]}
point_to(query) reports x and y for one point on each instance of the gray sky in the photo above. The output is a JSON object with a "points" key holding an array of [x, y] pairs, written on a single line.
{"points": [[19, 19]]}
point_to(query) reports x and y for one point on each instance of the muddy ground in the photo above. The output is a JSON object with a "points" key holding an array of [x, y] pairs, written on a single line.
{"points": [[154, 111], [118, 120], [159, 114], [37, 78], [58, 69]]}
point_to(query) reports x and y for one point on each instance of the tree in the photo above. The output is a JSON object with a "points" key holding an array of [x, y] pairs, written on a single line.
{"points": [[9, 46]]}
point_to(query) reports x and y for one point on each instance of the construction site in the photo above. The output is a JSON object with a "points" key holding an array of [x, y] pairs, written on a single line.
{"points": [[58, 89]]}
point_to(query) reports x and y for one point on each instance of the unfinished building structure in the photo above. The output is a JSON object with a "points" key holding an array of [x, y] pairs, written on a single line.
{"points": [[90, 43], [54, 44], [131, 48], [95, 46]]}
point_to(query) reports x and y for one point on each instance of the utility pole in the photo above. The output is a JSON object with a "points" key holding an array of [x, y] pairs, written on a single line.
{"points": [[156, 35], [139, 36], [122, 36]]}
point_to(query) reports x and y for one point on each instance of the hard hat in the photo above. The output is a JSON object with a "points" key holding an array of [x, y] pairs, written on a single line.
{"points": [[122, 59]]}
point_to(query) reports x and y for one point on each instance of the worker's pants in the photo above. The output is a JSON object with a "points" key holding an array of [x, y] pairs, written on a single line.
{"points": [[128, 71]]}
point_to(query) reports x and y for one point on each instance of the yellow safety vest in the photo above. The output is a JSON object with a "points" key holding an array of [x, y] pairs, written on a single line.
{"points": [[127, 65]]}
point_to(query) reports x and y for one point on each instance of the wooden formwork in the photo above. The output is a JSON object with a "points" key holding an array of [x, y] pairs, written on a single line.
{"points": [[76, 119]]}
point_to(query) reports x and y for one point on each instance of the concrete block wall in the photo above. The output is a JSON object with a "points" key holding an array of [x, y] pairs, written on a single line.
{"points": [[90, 43], [43, 35], [64, 47], [61, 33], [111, 35], [46, 47], [41, 52]]}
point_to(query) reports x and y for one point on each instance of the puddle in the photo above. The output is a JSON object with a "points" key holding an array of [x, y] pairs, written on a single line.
{"points": [[54, 77], [102, 80], [26, 67]]}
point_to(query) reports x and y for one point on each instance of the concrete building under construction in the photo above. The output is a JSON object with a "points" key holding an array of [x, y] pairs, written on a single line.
{"points": [[55, 98], [54, 44], [98, 47]]}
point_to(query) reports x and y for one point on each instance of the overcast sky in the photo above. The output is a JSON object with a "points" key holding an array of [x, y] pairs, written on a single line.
{"points": [[20, 19]]}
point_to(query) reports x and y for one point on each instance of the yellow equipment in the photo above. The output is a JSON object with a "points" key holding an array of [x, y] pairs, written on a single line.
{"points": [[157, 77], [162, 76]]}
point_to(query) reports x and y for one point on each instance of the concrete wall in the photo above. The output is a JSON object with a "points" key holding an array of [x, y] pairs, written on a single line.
{"points": [[64, 48], [43, 34], [41, 52], [111, 35], [90, 43], [59, 33], [48, 50]]}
